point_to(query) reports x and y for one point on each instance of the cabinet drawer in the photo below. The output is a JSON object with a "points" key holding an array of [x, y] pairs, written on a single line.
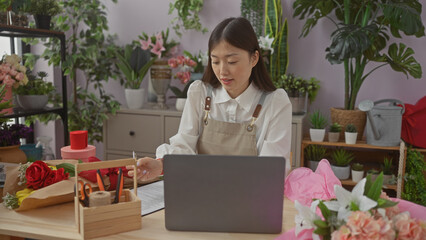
{"points": [[132, 132], [171, 127]]}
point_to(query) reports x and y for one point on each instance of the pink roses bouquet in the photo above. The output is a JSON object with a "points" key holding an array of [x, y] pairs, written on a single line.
{"points": [[12, 73]]}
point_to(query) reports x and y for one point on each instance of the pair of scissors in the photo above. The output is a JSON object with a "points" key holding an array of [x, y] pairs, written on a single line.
{"points": [[84, 197], [119, 188], [100, 181]]}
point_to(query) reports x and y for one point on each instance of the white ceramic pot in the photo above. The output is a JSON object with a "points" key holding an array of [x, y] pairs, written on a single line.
{"points": [[333, 136], [32, 102], [357, 175], [180, 103], [317, 135], [341, 172], [313, 165], [134, 97], [350, 138]]}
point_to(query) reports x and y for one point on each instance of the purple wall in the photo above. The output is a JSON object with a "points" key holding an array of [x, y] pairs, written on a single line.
{"points": [[128, 18]]}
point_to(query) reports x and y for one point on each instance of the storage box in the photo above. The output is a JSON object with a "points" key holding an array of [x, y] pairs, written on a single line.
{"points": [[110, 219]]}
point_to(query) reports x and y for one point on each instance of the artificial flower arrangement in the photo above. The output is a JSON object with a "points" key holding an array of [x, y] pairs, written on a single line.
{"points": [[10, 134], [186, 65], [158, 44], [364, 213], [12, 73]]}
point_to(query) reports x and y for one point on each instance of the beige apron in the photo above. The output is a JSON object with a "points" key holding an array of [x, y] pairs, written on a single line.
{"points": [[225, 138]]}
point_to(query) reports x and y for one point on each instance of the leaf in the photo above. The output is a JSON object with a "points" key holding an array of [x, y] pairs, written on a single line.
{"points": [[320, 223], [324, 210], [401, 60], [404, 17], [68, 168], [384, 203], [376, 188]]}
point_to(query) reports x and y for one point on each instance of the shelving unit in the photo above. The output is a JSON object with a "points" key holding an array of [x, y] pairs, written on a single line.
{"points": [[362, 146], [22, 32]]}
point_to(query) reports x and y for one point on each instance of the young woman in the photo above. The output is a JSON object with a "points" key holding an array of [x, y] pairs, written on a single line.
{"points": [[235, 109]]}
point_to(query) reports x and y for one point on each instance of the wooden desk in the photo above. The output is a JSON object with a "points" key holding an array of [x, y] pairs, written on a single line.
{"points": [[58, 222]]}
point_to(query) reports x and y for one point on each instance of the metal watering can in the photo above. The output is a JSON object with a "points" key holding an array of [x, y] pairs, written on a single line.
{"points": [[383, 122]]}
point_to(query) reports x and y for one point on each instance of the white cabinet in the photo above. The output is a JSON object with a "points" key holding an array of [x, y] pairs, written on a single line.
{"points": [[143, 130]]}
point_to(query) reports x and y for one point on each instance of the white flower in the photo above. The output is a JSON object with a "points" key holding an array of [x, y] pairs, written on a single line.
{"points": [[306, 217], [266, 43], [204, 58], [346, 199]]}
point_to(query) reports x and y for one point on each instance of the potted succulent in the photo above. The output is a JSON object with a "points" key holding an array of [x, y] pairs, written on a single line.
{"points": [[134, 63], [334, 132], [318, 124], [350, 134], [373, 174], [341, 159], [299, 90], [387, 168], [357, 172], [35, 94], [43, 10], [361, 42], [314, 154]]}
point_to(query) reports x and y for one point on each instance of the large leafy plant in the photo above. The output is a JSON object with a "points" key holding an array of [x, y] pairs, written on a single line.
{"points": [[362, 36]]}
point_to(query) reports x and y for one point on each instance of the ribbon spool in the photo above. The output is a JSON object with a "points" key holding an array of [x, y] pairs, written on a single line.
{"points": [[99, 198], [78, 140]]}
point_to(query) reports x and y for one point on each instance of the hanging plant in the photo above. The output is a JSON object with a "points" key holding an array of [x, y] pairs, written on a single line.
{"points": [[187, 16]]}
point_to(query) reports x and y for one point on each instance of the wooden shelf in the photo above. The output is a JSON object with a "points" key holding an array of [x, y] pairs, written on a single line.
{"points": [[349, 182], [359, 144]]}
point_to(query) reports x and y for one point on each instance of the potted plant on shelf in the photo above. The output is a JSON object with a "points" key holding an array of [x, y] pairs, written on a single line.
{"points": [[361, 39], [35, 94], [387, 168], [43, 10], [373, 173], [299, 90], [134, 63], [357, 172], [318, 124], [341, 159], [350, 134], [10, 136], [314, 154], [334, 133]]}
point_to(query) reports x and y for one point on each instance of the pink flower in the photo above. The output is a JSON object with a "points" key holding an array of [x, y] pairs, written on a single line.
{"points": [[174, 50], [191, 63], [172, 62], [8, 80], [186, 77], [180, 60], [13, 71], [390, 211], [409, 228], [363, 226], [158, 47], [19, 76], [342, 234], [145, 44]]}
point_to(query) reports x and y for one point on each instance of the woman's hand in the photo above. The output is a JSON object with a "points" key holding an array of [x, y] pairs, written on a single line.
{"points": [[147, 169]]}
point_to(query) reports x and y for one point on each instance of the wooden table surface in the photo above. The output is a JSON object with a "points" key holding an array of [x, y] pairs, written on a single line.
{"points": [[58, 222]]}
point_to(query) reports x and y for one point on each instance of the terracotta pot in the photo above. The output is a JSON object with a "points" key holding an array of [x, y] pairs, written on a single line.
{"points": [[345, 117], [12, 154]]}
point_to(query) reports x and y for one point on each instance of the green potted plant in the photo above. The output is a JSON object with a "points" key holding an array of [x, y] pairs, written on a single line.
{"points": [[387, 169], [314, 154], [299, 90], [357, 172], [187, 15], [373, 173], [341, 159], [134, 63], [35, 94], [318, 124], [361, 42], [43, 10], [350, 134], [334, 132]]}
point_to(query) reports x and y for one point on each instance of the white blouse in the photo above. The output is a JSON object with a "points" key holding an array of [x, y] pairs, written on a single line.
{"points": [[273, 133]]}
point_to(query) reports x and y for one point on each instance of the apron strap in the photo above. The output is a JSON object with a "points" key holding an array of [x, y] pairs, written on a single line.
{"points": [[257, 111], [207, 103]]}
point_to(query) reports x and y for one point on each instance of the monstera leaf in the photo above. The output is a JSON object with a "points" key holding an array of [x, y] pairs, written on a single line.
{"points": [[401, 60]]}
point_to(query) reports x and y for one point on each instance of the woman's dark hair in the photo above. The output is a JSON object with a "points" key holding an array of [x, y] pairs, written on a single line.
{"points": [[239, 33]]}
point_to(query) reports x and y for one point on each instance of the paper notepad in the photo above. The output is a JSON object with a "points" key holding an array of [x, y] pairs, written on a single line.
{"points": [[152, 197]]}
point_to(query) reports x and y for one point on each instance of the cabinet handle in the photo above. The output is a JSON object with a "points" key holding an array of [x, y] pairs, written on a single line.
{"points": [[132, 133]]}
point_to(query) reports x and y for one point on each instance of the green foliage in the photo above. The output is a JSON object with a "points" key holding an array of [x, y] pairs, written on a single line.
{"points": [[387, 166], [358, 167], [342, 157], [315, 152], [181, 93], [295, 85], [335, 127], [415, 183], [317, 120], [187, 15], [4, 4], [276, 27], [91, 51], [36, 85], [350, 128], [362, 34], [44, 7], [5, 104], [134, 64], [68, 168], [20, 6], [253, 11]]}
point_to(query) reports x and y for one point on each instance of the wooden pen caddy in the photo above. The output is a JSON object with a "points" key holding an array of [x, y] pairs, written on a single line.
{"points": [[106, 220]]}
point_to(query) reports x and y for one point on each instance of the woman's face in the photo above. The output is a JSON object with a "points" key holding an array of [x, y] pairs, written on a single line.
{"points": [[232, 66]]}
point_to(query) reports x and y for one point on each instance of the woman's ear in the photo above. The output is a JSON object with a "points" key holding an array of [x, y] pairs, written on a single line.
{"points": [[254, 58]]}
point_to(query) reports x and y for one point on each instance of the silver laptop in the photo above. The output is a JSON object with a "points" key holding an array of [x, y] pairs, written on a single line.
{"points": [[224, 193]]}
